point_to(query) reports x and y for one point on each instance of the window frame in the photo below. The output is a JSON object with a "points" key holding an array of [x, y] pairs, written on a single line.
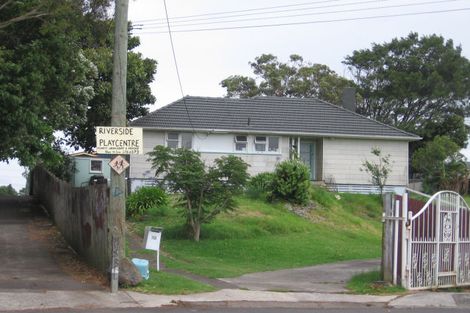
{"points": [[237, 141], [261, 142], [278, 150], [96, 171], [179, 140], [266, 144]]}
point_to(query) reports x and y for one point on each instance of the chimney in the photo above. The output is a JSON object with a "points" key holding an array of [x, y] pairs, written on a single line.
{"points": [[349, 99]]}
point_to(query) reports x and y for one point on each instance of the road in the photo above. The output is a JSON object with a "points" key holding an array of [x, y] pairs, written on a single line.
{"points": [[254, 310]]}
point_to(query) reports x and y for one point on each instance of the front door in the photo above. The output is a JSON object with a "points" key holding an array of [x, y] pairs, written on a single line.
{"points": [[307, 155]]}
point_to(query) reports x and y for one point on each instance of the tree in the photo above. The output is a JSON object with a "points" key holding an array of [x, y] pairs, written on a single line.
{"points": [[418, 84], [45, 79], [8, 191], [139, 76], [203, 193], [441, 165], [55, 76], [32, 12], [295, 78], [379, 170]]}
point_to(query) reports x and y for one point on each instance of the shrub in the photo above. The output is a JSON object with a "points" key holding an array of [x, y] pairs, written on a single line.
{"points": [[204, 192], [291, 182], [260, 184], [140, 201]]}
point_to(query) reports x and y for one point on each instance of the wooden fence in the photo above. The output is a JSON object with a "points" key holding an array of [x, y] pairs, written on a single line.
{"points": [[81, 214]]}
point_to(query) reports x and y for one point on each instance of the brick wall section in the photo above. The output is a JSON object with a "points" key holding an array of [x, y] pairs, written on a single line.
{"points": [[81, 214]]}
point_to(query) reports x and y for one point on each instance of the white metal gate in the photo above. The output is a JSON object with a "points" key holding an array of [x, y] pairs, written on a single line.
{"points": [[436, 243]]}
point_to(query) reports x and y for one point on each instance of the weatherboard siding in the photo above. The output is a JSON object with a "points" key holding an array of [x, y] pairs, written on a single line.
{"points": [[343, 159], [211, 146], [217, 145], [140, 168]]}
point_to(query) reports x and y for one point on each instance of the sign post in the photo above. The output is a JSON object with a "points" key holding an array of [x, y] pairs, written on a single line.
{"points": [[118, 140]]}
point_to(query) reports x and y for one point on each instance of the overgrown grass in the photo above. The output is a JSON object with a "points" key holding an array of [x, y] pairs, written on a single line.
{"points": [[369, 283], [170, 284], [260, 236]]}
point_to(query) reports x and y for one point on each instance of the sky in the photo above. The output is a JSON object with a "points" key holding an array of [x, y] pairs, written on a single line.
{"points": [[331, 30]]}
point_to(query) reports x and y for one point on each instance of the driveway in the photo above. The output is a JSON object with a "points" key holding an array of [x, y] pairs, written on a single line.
{"points": [[327, 278], [31, 257]]}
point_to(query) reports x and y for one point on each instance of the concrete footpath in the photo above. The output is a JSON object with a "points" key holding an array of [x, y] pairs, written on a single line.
{"points": [[77, 299]]}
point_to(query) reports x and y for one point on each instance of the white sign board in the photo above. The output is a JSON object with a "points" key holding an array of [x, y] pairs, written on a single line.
{"points": [[119, 140], [152, 238], [119, 164]]}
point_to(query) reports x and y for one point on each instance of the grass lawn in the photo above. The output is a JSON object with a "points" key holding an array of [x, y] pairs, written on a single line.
{"points": [[168, 284], [260, 236]]}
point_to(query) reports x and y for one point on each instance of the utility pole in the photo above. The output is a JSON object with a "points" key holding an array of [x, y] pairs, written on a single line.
{"points": [[118, 118]]}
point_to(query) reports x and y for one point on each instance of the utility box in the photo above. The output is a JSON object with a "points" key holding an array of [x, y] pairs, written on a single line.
{"points": [[152, 238]]}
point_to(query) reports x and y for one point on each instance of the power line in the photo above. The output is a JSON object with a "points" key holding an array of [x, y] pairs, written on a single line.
{"points": [[306, 14], [310, 22], [273, 12], [238, 11], [176, 67]]}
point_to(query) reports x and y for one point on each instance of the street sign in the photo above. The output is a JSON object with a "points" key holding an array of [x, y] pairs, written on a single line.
{"points": [[119, 140], [119, 164]]}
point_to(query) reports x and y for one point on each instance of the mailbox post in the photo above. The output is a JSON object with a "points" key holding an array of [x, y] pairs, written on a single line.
{"points": [[152, 240]]}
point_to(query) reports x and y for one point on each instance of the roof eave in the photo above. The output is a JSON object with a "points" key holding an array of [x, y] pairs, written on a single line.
{"points": [[267, 132]]}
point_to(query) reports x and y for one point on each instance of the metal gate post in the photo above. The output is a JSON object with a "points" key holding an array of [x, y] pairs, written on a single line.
{"points": [[395, 240], [457, 242], [438, 240], [404, 242]]}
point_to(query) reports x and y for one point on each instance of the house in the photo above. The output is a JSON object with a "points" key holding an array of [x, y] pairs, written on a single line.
{"points": [[263, 131], [89, 165]]}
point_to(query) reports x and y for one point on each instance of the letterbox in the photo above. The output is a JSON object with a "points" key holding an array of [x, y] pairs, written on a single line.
{"points": [[152, 238]]}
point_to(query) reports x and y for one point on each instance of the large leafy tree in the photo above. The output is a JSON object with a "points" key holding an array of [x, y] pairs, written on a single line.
{"points": [[55, 75], [45, 79], [418, 84], [140, 75], [295, 78], [442, 165]]}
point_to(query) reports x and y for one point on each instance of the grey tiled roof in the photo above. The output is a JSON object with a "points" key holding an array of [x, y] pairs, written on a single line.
{"points": [[267, 114]]}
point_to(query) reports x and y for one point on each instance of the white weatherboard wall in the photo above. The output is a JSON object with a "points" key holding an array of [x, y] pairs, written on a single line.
{"points": [[343, 158], [139, 167], [214, 146], [211, 146]]}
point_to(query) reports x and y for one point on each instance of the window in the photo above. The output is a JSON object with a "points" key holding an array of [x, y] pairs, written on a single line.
{"points": [[273, 145], [179, 140], [266, 144], [241, 143], [186, 140], [260, 143], [96, 166], [172, 140]]}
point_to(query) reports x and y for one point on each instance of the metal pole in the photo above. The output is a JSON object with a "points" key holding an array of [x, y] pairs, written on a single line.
{"points": [[118, 118], [395, 242], [404, 240]]}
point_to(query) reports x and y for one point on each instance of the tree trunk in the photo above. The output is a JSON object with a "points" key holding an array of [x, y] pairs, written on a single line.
{"points": [[196, 231]]}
